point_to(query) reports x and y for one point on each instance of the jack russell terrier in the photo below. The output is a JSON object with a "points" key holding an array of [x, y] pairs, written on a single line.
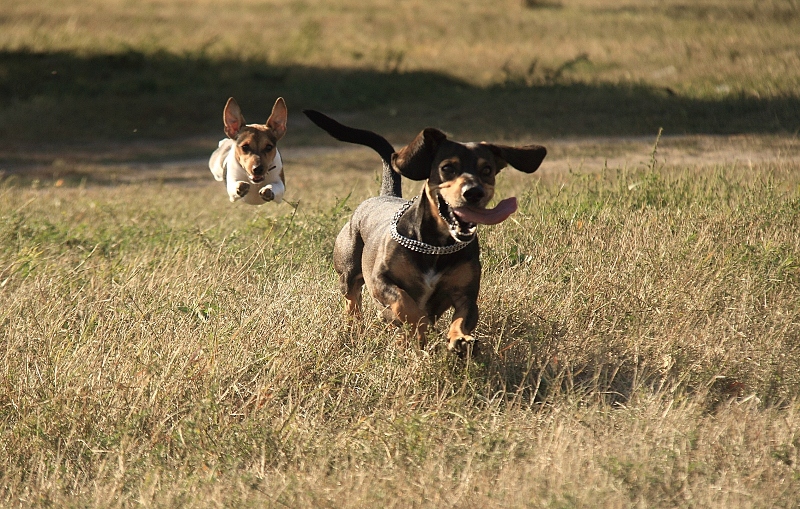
{"points": [[248, 159]]}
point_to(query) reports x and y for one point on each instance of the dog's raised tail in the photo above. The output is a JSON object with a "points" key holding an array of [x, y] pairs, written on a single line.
{"points": [[391, 183]]}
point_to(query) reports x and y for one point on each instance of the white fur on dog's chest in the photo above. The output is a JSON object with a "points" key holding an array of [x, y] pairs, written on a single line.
{"points": [[430, 280], [235, 173]]}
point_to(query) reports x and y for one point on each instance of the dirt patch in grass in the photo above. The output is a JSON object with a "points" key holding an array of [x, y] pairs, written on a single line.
{"points": [[185, 160]]}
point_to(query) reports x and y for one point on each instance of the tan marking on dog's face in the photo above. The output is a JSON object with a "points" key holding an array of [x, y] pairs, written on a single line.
{"points": [[255, 150], [453, 191], [460, 167], [433, 203], [255, 143], [462, 175]]}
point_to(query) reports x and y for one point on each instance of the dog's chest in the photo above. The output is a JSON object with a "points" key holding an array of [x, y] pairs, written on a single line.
{"points": [[236, 173], [429, 282]]}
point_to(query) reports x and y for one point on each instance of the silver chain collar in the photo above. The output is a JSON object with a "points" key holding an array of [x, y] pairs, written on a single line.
{"points": [[421, 247]]}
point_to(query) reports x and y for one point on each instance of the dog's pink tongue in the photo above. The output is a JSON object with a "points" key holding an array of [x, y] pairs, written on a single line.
{"points": [[488, 216]]}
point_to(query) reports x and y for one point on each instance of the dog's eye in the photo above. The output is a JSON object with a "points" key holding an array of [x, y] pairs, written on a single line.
{"points": [[268, 148], [246, 148], [486, 171], [448, 169]]}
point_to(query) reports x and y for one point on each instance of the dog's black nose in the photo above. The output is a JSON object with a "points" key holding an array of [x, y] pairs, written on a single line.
{"points": [[258, 170], [474, 194]]}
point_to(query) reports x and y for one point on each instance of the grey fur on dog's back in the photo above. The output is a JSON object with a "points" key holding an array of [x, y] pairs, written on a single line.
{"points": [[373, 215]]}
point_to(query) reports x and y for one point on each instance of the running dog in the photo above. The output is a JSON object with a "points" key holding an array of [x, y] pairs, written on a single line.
{"points": [[248, 159], [419, 258]]}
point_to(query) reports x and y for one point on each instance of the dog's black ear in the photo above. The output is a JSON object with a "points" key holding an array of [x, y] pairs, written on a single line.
{"points": [[415, 159], [526, 159], [232, 118]]}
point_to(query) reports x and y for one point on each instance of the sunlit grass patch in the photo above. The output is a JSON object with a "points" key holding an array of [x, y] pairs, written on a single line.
{"points": [[162, 346]]}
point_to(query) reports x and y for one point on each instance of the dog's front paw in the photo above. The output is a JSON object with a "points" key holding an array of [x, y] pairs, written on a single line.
{"points": [[464, 346], [266, 193], [242, 188]]}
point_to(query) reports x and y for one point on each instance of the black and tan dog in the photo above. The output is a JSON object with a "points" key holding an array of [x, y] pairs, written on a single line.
{"points": [[420, 258]]}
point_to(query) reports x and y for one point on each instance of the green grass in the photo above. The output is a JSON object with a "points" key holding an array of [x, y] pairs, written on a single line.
{"points": [[164, 348]]}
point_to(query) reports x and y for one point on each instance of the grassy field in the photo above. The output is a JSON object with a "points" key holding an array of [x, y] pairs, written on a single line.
{"points": [[162, 348], [640, 313]]}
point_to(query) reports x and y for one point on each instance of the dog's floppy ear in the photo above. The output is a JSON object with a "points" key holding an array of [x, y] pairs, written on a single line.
{"points": [[526, 159], [415, 159], [232, 118], [277, 120]]}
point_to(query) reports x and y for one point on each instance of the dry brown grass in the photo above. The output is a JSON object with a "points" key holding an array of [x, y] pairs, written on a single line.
{"points": [[163, 348], [160, 347], [736, 45]]}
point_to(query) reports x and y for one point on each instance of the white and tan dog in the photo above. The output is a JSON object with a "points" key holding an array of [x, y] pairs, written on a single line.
{"points": [[248, 159]]}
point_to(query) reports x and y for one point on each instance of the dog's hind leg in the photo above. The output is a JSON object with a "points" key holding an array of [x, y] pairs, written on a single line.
{"points": [[347, 262], [352, 295]]}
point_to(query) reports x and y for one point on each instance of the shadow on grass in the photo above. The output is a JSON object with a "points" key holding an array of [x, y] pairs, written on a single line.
{"points": [[63, 97]]}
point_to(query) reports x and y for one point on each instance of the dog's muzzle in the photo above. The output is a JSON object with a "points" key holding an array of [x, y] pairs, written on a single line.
{"points": [[259, 174], [459, 229]]}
